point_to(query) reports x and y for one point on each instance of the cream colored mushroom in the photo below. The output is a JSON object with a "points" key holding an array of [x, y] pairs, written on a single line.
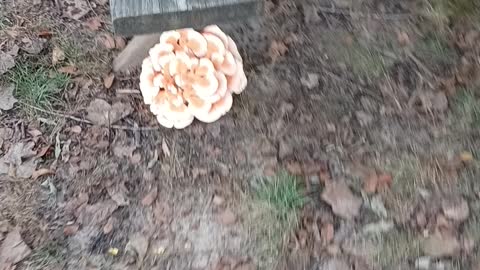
{"points": [[192, 74]]}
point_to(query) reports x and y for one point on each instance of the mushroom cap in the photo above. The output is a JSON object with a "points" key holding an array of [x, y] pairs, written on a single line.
{"points": [[237, 82], [215, 30], [192, 74], [218, 109]]}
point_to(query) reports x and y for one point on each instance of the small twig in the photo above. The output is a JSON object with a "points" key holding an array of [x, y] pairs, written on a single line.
{"points": [[127, 91], [88, 122], [57, 113]]}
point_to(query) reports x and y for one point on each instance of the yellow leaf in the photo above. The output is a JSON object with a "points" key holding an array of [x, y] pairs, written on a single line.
{"points": [[466, 156], [113, 251]]}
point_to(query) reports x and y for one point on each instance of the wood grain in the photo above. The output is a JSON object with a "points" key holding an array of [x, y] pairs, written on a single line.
{"points": [[138, 17]]}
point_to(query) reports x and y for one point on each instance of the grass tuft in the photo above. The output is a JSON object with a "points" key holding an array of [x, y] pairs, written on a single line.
{"points": [[271, 213], [466, 107], [397, 247], [38, 86], [49, 256]]}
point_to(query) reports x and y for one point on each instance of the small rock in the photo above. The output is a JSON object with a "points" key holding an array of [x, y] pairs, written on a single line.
{"points": [[284, 150], [70, 230], [456, 209], [310, 80], [423, 263], [378, 227], [440, 245]]}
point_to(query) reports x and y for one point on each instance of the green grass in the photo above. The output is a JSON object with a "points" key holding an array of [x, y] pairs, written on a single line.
{"points": [[38, 86], [398, 246], [271, 212], [435, 49], [366, 62], [466, 108], [441, 12], [50, 256]]}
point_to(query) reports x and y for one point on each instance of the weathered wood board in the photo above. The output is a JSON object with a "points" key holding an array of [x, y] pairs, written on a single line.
{"points": [[138, 17]]}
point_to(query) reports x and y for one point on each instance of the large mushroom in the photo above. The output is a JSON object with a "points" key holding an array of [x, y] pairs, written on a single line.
{"points": [[192, 74]]}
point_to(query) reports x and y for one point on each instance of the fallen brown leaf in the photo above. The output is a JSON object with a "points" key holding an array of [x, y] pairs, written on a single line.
{"points": [[76, 129], [108, 228], [118, 193], [108, 41], [150, 197], [97, 213], [327, 233], [440, 245], [70, 230], [41, 172], [385, 181], [7, 100], [120, 43], [108, 80], [343, 202], [138, 243], [100, 112], [370, 182], [94, 23], [58, 55], [13, 250], [72, 70], [277, 49], [227, 217], [43, 151], [6, 62]]}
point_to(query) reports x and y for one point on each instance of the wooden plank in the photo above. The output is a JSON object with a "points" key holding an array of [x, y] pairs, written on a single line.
{"points": [[138, 17]]}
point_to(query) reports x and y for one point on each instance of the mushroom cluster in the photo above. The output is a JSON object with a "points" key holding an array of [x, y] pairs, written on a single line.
{"points": [[192, 74]]}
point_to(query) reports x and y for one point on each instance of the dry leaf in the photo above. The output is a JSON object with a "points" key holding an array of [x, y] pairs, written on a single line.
{"points": [[75, 9], [108, 41], [122, 151], [136, 158], [100, 112], [466, 156], [58, 55], [343, 202], [277, 49], [34, 132], [6, 62], [138, 243], [227, 217], [441, 245], [45, 34], [108, 228], [70, 230], [76, 129], [120, 43], [370, 182], [43, 151], [150, 197], [384, 181], [94, 214], [94, 23], [6, 96], [21, 158], [327, 233], [118, 193], [13, 249], [72, 70], [165, 149], [41, 172], [403, 38], [108, 80]]}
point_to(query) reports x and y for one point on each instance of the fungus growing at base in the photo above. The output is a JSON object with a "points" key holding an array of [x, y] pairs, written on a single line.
{"points": [[192, 74]]}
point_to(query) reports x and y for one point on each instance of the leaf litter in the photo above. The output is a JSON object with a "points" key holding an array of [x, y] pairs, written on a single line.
{"points": [[7, 100], [20, 160], [13, 250], [100, 112]]}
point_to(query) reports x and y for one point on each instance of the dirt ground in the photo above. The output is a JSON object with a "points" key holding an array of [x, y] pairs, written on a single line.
{"points": [[354, 146]]}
